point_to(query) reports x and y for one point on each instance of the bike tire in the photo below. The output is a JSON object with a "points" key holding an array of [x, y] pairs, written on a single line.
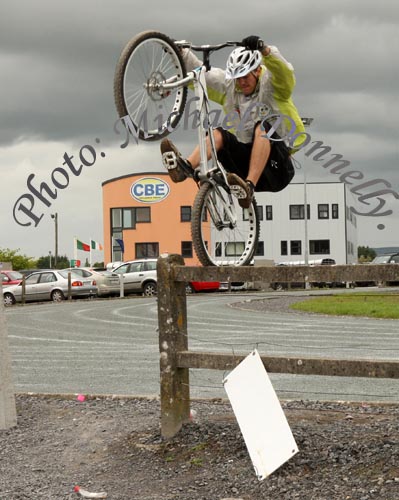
{"points": [[233, 246], [150, 57]]}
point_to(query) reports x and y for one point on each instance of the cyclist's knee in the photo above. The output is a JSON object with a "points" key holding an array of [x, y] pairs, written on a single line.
{"points": [[218, 136]]}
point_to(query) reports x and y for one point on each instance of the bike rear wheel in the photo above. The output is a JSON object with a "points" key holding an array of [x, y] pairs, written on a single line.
{"points": [[149, 59], [218, 242]]}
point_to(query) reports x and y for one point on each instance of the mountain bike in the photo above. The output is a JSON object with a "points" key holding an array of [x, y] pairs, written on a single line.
{"points": [[150, 89]]}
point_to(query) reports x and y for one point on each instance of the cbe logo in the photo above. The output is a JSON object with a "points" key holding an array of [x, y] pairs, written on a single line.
{"points": [[150, 190]]}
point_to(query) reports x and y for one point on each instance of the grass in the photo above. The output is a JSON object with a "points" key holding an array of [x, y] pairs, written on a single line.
{"points": [[369, 305]]}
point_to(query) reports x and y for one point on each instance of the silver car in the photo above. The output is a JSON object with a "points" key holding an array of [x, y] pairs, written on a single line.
{"points": [[139, 276], [106, 282], [49, 285]]}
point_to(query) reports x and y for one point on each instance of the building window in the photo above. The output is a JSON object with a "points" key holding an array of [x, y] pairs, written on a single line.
{"points": [[319, 247], [259, 210], [322, 211], [298, 212], [234, 248], [187, 249], [127, 218], [260, 249], [269, 212], [116, 217], [147, 250], [334, 211], [296, 247], [284, 247], [185, 214], [143, 214]]}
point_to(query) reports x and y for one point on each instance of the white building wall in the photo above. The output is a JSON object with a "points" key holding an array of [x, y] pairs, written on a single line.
{"points": [[340, 232]]}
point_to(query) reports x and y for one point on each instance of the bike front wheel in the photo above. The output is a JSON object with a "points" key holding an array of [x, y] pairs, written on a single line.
{"points": [[148, 60], [223, 233]]}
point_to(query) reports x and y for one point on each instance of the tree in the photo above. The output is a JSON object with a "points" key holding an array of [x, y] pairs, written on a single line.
{"points": [[44, 262], [365, 254], [18, 261]]}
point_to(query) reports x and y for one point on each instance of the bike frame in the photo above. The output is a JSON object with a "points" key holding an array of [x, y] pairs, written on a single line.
{"points": [[207, 171]]}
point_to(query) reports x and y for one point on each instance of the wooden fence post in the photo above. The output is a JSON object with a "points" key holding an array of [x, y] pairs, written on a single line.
{"points": [[172, 322], [8, 414]]}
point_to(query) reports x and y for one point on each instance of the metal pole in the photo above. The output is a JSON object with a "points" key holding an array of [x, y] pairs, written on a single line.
{"points": [[56, 240], [307, 122]]}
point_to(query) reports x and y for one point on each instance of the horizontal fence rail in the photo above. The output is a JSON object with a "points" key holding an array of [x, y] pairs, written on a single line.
{"points": [[176, 359]]}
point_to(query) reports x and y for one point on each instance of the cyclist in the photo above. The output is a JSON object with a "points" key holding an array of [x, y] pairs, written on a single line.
{"points": [[258, 82]]}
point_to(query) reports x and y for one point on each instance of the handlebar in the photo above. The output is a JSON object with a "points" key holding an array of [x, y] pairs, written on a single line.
{"points": [[206, 49], [184, 44]]}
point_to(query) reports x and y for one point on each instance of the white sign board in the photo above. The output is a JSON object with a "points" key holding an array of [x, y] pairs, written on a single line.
{"points": [[263, 424]]}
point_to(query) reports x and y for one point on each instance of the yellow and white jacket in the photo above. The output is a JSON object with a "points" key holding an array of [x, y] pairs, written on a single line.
{"points": [[273, 93]]}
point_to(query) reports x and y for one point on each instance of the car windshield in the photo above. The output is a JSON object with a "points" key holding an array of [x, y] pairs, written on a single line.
{"points": [[64, 274], [381, 259], [15, 275]]}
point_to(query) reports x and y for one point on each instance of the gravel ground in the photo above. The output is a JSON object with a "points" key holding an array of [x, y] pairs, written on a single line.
{"points": [[346, 451]]}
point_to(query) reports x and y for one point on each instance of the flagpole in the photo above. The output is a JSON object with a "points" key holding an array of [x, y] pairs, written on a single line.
{"points": [[75, 248], [90, 252]]}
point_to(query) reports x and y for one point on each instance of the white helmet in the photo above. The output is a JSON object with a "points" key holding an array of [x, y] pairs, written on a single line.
{"points": [[241, 62]]}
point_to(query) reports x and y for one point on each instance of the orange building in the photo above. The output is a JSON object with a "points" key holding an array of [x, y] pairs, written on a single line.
{"points": [[146, 215]]}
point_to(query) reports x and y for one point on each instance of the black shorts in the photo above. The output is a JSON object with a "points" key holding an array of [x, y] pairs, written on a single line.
{"points": [[235, 157]]}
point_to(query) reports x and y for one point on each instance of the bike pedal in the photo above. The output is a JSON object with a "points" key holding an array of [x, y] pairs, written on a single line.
{"points": [[238, 192], [169, 160]]}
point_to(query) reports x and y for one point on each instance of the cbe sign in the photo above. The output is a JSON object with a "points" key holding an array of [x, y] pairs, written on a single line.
{"points": [[150, 190]]}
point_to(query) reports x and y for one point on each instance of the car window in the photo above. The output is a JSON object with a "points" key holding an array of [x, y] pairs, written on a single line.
{"points": [[135, 267], [395, 258], [32, 279], [47, 278], [381, 259], [150, 266], [122, 269], [4, 278]]}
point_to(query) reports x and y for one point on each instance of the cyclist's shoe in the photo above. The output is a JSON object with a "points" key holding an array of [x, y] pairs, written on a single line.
{"points": [[242, 190], [178, 168]]}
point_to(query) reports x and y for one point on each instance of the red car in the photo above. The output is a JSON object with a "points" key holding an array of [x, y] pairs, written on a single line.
{"points": [[10, 278], [202, 286]]}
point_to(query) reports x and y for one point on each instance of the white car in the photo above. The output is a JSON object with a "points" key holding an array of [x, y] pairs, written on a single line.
{"points": [[49, 285], [139, 276]]}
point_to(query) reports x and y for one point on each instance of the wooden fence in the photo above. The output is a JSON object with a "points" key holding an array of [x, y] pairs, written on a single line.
{"points": [[176, 359]]}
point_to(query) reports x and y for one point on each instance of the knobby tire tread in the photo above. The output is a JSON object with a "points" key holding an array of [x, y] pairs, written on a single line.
{"points": [[120, 72]]}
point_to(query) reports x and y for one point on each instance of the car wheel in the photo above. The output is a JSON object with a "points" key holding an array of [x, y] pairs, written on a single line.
{"points": [[57, 296], [150, 289], [189, 289], [9, 299]]}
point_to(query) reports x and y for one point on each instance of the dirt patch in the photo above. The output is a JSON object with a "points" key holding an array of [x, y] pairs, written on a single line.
{"points": [[348, 452]]}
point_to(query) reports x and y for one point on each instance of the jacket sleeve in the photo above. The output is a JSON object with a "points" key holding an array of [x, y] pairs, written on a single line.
{"points": [[283, 78], [215, 78]]}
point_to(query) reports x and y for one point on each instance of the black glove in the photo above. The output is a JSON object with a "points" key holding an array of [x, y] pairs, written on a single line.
{"points": [[253, 42]]}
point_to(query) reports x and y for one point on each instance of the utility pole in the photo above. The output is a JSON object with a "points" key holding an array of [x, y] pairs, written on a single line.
{"points": [[55, 217], [307, 122]]}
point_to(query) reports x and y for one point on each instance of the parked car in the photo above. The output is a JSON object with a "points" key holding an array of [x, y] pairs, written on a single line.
{"points": [[202, 286], [139, 276], [301, 284], [86, 274], [387, 258], [49, 285], [9, 278]]}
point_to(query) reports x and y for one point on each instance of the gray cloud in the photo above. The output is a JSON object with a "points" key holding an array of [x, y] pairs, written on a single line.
{"points": [[57, 62]]}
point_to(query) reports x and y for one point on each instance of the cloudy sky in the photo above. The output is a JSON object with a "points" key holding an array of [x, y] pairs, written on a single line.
{"points": [[57, 62]]}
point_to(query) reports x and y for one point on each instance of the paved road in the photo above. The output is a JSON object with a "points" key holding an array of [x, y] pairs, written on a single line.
{"points": [[111, 346]]}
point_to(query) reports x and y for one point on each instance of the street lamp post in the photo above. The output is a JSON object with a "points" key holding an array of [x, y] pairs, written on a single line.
{"points": [[49, 253], [55, 217], [307, 122]]}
